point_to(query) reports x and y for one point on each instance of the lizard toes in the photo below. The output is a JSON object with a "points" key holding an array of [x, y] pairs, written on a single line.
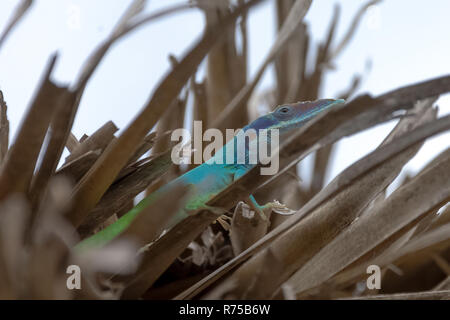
{"points": [[280, 208]]}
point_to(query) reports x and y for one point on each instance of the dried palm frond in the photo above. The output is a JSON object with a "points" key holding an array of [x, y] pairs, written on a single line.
{"points": [[322, 251]]}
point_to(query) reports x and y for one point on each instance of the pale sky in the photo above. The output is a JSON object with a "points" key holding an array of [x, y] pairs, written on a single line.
{"points": [[406, 42]]}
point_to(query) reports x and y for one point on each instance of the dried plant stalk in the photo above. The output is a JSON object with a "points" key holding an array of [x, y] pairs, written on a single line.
{"points": [[102, 174]]}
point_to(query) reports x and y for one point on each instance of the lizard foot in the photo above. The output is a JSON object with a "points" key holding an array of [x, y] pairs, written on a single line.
{"points": [[259, 210], [279, 208]]}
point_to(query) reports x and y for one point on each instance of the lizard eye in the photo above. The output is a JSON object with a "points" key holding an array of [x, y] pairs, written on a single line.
{"points": [[284, 110]]}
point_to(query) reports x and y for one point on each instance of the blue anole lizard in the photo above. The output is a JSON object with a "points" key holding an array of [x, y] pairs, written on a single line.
{"points": [[215, 175]]}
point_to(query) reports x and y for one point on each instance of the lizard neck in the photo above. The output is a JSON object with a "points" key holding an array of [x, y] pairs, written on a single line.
{"points": [[245, 148]]}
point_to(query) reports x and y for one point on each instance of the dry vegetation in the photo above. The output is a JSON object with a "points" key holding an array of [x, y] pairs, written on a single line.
{"points": [[320, 252]]}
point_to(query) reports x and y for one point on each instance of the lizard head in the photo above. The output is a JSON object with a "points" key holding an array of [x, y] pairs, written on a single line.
{"points": [[290, 116]]}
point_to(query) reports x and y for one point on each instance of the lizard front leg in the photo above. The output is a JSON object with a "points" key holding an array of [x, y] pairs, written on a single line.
{"points": [[253, 204], [274, 206]]}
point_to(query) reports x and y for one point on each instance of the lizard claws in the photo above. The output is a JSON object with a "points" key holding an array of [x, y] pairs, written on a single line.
{"points": [[279, 208]]}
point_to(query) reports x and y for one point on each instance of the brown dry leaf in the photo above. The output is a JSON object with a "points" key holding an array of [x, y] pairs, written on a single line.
{"points": [[172, 119], [417, 270], [50, 255], [422, 194], [420, 114], [413, 274], [353, 87], [326, 55], [92, 187], [290, 62], [247, 227], [225, 72], [4, 128], [47, 279], [14, 214], [161, 254], [262, 281], [428, 242], [145, 146], [155, 217], [312, 87], [72, 142], [320, 169], [384, 254], [60, 129], [21, 9], [381, 255], [45, 247], [412, 240], [200, 112], [311, 84], [297, 58], [310, 91], [425, 221], [19, 165], [442, 218], [443, 285], [62, 121], [200, 108], [229, 116], [99, 140], [77, 168]]}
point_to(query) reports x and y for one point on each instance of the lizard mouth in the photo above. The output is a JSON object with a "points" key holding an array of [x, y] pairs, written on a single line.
{"points": [[305, 116]]}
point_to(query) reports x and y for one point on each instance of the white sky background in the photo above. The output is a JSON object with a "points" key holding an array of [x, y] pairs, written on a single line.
{"points": [[406, 42]]}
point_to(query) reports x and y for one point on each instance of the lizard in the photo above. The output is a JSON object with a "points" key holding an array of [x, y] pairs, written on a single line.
{"points": [[215, 175]]}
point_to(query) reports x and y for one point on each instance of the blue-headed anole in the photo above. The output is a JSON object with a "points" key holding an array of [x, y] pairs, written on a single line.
{"points": [[216, 174]]}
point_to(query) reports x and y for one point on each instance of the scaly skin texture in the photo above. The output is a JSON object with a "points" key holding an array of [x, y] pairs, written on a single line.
{"points": [[210, 178]]}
